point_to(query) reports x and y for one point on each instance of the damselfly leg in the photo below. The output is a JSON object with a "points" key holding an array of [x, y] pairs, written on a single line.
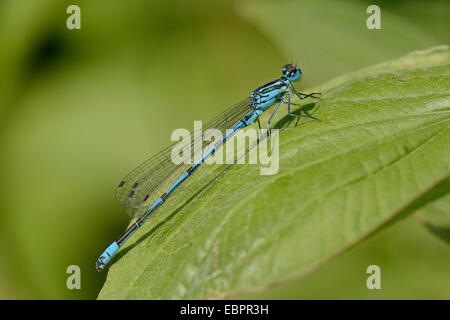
{"points": [[289, 103], [302, 96], [259, 131]]}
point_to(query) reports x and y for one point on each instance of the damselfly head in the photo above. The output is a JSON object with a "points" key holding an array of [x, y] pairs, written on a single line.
{"points": [[291, 72]]}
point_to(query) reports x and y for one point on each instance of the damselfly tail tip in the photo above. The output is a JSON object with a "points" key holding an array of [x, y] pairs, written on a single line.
{"points": [[99, 265], [106, 256]]}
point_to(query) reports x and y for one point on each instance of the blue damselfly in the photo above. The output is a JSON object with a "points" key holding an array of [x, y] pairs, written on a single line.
{"points": [[148, 186]]}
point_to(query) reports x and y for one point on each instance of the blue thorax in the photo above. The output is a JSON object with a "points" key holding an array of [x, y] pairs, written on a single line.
{"points": [[272, 92]]}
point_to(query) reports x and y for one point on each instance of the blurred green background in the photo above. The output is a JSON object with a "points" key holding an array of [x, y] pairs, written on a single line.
{"points": [[80, 108]]}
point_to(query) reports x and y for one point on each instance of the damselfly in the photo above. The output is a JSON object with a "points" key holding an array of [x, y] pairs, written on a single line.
{"points": [[148, 186]]}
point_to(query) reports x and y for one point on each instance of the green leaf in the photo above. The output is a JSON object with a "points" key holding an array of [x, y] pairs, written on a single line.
{"points": [[379, 153], [436, 217]]}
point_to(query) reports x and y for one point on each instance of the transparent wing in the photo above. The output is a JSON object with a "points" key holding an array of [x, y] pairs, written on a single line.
{"points": [[142, 186]]}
